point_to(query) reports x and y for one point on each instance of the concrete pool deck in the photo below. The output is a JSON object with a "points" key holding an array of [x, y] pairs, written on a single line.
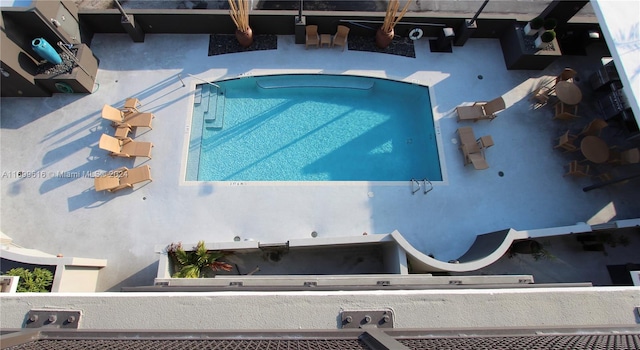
{"points": [[59, 135]]}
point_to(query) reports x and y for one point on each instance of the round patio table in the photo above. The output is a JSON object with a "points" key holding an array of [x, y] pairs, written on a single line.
{"points": [[568, 93], [594, 149]]}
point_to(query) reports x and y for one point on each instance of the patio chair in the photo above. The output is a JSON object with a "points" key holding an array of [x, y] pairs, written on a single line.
{"points": [[578, 170], [481, 110], [120, 118], [565, 111], [594, 128], [312, 37], [340, 38], [122, 178], [540, 95], [566, 75], [630, 156], [125, 148], [566, 142]]}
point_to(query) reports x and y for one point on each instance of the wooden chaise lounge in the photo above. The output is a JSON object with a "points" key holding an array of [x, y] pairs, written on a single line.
{"points": [[120, 118], [122, 178], [125, 148], [481, 110]]}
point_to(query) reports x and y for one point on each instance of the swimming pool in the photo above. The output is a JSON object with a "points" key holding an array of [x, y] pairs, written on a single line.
{"points": [[312, 127]]}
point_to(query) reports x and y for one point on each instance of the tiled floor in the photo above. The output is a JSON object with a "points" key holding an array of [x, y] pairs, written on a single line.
{"points": [[523, 188]]}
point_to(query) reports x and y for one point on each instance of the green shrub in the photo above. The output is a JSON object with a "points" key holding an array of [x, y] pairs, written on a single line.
{"points": [[191, 264], [37, 281], [548, 36], [536, 23]]}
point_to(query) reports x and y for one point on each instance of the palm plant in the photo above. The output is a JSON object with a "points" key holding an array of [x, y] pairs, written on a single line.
{"points": [[385, 33], [191, 264], [239, 11]]}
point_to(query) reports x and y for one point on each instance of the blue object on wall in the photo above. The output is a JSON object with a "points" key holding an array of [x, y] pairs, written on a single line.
{"points": [[46, 51]]}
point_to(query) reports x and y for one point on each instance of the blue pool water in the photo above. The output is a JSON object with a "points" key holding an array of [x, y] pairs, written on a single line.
{"points": [[312, 128]]}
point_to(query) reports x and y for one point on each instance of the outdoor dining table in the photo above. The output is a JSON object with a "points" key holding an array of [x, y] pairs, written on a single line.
{"points": [[594, 149], [569, 93]]}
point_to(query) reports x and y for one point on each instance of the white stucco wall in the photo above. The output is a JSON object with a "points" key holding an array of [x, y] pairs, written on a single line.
{"points": [[320, 310]]}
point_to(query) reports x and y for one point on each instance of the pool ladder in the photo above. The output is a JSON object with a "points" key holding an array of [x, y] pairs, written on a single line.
{"points": [[427, 186]]}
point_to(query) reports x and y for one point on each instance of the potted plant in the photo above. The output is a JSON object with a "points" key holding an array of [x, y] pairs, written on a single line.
{"points": [[546, 37], [239, 11], [37, 281], [550, 24], [533, 27], [530, 247], [191, 264], [384, 34]]}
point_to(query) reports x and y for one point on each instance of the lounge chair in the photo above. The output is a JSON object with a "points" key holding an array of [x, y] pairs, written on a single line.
{"points": [[125, 148], [121, 178], [565, 111], [594, 128], [566, 142], [340, 38], [468, 139], [119, 117], [481, 110], [578, 170], [472, 149], [312, 37]]}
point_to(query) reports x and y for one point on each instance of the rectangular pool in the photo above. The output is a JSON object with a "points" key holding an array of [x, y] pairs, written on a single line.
{"points": [[307, 127]]}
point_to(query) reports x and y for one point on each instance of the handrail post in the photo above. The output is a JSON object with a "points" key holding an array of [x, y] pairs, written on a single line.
{"points": [[129, 23], [467, 27]]}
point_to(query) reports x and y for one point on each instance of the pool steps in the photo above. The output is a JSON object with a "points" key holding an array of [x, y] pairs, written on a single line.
{"points": [[213, 117]]}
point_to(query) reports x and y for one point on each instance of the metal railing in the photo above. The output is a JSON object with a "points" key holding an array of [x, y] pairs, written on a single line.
{"points": [[204, 81]]}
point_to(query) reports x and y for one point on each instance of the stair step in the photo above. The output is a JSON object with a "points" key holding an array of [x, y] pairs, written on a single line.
{"points": [[206, 96], [197, 99], [217, 121]]}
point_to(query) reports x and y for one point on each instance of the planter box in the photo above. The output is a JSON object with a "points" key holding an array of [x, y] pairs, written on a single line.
{"points": [[520, 52], [78, 80], [71, 274], [530, 31]]}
